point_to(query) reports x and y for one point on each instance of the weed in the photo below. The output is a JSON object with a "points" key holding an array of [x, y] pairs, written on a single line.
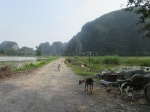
{"points": [[34, 65], [111, 60], [107, 62]]}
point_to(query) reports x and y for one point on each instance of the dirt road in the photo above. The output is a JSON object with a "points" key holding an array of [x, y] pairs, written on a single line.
{"points": [[49, 90]]}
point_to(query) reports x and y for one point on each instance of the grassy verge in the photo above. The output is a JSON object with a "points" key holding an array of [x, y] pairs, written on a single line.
{"points": [[97, 64], [35, 65]]}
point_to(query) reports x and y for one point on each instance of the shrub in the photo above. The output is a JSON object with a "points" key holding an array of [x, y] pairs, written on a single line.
{"points": [[145, 62], [34, 65], [96, 60], [111, 60]]}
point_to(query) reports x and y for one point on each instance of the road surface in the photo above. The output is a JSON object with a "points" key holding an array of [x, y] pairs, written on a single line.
{"points": [[49, 90]]}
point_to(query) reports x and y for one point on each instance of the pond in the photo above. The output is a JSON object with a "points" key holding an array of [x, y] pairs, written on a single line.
{"points": [[17, 61], [6, 59]]}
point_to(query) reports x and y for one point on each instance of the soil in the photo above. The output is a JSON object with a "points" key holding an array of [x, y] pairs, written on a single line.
{"points": [[49, 90], [5, 72]]}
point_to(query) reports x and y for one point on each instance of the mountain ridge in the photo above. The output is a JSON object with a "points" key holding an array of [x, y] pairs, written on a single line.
{"points": [[12, 48], [115, 33]]}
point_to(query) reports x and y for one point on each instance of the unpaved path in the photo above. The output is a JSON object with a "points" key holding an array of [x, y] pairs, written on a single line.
{"points": [[49, 90]]}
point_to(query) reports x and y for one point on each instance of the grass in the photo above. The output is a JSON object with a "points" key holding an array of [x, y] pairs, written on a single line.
{"points": [[35, 65], [97, 64], [111, 60]]}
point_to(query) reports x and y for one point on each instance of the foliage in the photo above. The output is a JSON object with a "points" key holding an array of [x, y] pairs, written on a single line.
{"points": [[80, 71], [9, 52], [38, 51], [145, 62], [135, 61], [57, 48], [35, 65], [74, 47], [12, 52], [142, 8], [10, 48], [26, 51], [102, 64], [97, 60], [45, 48], [111, 60], [115, 33]]}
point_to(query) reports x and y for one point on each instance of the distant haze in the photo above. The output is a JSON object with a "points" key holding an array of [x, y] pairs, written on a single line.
{"points": [[31, 22]]}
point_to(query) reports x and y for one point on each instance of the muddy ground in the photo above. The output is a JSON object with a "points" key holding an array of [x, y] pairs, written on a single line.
{"points": [[48, 90]]}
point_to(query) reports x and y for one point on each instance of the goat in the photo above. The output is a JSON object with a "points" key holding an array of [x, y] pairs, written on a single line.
{"points": [[87, 81]]}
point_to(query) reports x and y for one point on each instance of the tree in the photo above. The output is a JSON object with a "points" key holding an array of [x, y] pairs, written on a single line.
{"points": [[38, 51], [74, 47], [142, 7]]}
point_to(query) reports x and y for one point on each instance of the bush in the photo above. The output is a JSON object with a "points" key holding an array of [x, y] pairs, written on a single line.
{"points": [[34, 65], [111, 60], [145, 62], [96, 60]]}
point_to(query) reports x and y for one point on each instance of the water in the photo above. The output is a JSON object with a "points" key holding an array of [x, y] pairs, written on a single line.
{"points": [[17, 59], [16, 62]]}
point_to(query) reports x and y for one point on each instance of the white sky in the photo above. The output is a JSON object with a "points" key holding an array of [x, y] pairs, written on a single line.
{"points": [[31, 22]]}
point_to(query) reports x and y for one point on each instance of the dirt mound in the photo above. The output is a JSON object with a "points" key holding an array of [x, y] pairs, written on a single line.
{"points": [[5, 72]]}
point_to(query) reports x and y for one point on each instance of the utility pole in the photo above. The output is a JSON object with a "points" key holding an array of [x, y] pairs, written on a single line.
{"points": [[89, 54]]}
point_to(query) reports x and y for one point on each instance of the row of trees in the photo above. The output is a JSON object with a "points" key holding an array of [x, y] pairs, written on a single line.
{"points": [[9, 48], [13, 52], [57, 48]]}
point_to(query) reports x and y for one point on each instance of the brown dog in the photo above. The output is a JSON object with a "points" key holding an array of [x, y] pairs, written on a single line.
{"points": [[59, 67], [87, 81]]}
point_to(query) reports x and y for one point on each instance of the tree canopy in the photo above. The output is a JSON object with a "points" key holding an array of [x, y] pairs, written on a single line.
{"points": [[115, 33], [142, 7]]}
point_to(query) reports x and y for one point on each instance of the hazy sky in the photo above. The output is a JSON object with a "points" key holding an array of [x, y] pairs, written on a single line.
{"points": [[31, 22]]}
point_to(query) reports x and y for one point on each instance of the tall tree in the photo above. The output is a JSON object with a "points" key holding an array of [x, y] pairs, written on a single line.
{"points": [[142, 8], [74, 47], [38, 51]]}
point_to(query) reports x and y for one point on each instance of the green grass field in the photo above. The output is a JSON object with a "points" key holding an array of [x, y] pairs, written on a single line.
{"points": [[97, 64]]}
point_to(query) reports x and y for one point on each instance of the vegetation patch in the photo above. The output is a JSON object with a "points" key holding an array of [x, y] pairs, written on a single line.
{"points": [[8, 70], [97, 64], [111, 60], [35, 65]]}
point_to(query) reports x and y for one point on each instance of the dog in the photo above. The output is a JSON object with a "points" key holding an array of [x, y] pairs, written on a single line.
{"points": [[58, 67], [126, 87], [87, 81]]}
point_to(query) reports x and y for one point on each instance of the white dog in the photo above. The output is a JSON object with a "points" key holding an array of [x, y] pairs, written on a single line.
{"points": [[128, 88]]}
